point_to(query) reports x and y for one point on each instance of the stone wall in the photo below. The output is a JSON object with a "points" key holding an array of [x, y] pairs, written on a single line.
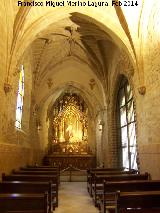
{"points": [[149, 105], [16, 148], [13, 156]]}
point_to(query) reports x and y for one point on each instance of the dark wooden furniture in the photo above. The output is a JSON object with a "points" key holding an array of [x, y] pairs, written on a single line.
{"points": [[97, 185], [35, 172], [107, 199], [39, 168], [92, 173], [138, 202], [35, 178], [32, 188], [37, 203], [80, 161], [29, 172], [42, 166]]}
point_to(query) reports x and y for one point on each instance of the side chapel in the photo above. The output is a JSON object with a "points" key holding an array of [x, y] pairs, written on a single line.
{"points": [[80, 86]]}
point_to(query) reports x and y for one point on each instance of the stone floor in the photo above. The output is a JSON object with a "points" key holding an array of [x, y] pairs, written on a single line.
{"points": [[74, 198]]}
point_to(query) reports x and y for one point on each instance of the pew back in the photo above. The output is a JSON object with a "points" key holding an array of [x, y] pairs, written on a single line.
{"points": [[24, 202], [110, 188], [38, 178], [143, 199]]}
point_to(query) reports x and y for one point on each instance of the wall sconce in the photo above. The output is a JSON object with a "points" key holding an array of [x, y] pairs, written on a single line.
{"points": [[101, 125], [39, 127]]}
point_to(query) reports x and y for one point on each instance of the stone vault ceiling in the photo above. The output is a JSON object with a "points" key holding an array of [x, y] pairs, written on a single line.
{"points": [[54, 39], [72, 38]]}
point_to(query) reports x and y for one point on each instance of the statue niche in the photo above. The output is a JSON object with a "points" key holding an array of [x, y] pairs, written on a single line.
{"points": [[69, 125]]}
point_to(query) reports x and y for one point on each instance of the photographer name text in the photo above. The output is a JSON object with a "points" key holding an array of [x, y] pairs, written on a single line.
{"points": [[72, 3]]}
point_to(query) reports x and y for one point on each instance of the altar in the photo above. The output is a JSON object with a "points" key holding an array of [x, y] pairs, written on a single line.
{"points": [[68, 134], [76, 161]]}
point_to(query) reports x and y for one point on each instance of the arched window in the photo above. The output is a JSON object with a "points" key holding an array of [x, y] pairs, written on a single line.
{"points": [[20, 96], [127, 125]]}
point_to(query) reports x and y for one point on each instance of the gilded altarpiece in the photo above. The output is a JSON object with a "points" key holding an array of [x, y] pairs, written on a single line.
{"points": [[68, 132]]}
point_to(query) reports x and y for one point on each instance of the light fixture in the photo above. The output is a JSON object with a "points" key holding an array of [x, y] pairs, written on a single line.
{"points": [[101, 125], [39, 127]]}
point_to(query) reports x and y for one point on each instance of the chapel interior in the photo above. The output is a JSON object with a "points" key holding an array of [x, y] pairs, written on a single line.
{"points": [[80, 86]]}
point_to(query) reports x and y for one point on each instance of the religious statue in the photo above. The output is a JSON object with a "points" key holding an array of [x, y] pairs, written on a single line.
{"points": [[69, 132]]}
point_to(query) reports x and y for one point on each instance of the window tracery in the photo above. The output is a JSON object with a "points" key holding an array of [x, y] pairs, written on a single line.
{"points": [[127, 125]]}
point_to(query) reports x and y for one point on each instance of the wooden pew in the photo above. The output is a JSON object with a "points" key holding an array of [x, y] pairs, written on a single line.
{"points": [[23, 177], [34, 178], [39, 172], [26, 172], [99, 169], [92, 173], [139, 202], [40, 168], [26, 203], [97, 186], [32, 188], [107, 200]]}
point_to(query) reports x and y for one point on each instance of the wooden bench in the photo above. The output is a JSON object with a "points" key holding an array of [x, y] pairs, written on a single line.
{"points": [[97, 186], [28, 172], [138, 202], [91, 170], [32, 188], [40, 168], [35, 178], [23, 177], [107, 199], [26, 203], [92, 173]]}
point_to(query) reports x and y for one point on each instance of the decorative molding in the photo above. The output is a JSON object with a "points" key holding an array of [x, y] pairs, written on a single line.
{"points": [[7, 88], [142, 90], [49, 82]]}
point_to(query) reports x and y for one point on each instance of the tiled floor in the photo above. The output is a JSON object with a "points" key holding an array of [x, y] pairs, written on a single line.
{"points": [[74, 198]]}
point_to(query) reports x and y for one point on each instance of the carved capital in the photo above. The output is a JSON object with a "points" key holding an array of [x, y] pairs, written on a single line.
{"points": [[49, 83], [7, 88], [142, 90], [92, 83]]}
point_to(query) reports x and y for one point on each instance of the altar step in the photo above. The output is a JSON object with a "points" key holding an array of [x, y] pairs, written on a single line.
{"points": [[73, 176]]}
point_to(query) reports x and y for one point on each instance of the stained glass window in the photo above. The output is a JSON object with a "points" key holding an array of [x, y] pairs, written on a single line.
{"points": [[127, 125], [20, 96]]}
